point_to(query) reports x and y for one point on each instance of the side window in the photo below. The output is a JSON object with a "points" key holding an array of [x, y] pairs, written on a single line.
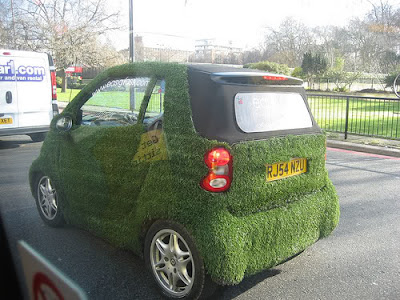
{"points": [[152, 146], [115, 103], [155, 109]]}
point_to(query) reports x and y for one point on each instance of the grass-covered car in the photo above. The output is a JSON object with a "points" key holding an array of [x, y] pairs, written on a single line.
{"points": [[206, 171]]}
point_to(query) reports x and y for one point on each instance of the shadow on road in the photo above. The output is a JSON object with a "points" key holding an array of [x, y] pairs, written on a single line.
{"points": [[230, 292], [7, 143]]}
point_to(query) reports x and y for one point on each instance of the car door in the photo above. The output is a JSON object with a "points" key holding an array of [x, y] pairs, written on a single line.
{"points": [[102, 178]]}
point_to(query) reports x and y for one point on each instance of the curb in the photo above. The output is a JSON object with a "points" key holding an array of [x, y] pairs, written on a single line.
{"points": [[364, 148]]}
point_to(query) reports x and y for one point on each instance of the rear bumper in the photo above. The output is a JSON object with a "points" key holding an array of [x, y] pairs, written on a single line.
{"points": [[240, 246], [24, 130]]}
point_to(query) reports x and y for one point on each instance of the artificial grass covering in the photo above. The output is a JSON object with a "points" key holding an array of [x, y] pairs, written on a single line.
{"points": [[253, 226]]}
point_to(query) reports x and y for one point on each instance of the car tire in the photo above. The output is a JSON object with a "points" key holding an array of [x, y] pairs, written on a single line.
{"points": [[174, 261], [48, 202], [38, 137]]}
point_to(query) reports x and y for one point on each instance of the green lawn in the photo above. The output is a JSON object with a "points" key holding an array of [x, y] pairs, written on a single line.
{"points": [[67, 96], [114, 99], [120, 99], [370, 116]]}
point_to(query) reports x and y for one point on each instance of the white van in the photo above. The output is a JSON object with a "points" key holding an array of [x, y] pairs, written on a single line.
{"points": [[28, 93]]}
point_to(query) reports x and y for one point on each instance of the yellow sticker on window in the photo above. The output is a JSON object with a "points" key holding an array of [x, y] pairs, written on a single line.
{"points": [[152, 147]]}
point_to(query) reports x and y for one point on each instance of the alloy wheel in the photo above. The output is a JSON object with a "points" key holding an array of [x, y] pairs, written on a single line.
{"points": [[47, 198], [172, 263]]}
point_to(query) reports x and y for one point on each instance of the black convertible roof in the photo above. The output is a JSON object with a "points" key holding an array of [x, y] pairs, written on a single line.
{"points": [[212, 90], [239, 75]]}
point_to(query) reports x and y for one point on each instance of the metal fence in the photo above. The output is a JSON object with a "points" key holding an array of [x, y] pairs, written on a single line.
{"points": [[326, 84], [377, 117]]}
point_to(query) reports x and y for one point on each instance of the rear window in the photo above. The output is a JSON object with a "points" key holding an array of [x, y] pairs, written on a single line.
{"points": [[263, 112]]}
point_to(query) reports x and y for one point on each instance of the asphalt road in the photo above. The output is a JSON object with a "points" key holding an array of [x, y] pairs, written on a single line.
{"points": [[360, 260]]}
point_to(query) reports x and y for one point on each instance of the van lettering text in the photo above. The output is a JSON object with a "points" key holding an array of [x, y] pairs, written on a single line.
{"points": [[21, 73]]}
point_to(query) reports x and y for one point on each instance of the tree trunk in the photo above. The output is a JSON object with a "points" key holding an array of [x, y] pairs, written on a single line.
{"points": [[64, 81]]}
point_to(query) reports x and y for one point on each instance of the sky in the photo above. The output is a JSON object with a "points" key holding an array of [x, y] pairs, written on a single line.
{"points": [[178, 23]]}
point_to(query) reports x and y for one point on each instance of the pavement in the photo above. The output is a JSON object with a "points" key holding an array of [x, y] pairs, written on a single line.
{"points": [[62, 105], [365, 144]]}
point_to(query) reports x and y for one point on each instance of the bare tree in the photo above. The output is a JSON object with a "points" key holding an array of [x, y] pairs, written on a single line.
{"points": [[252, 56], [69, 29], [7, 23], [370, 44], [289, 42], [384, 23]]}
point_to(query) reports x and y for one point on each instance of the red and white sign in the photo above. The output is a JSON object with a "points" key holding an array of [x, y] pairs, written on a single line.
{"points": [[73, 70], [43, 280]]}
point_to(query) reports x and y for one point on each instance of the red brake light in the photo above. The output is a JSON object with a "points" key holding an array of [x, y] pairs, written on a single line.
{"points": [[53, 85], [218, 157], [6, 53], [219, 177], [275, 78]]}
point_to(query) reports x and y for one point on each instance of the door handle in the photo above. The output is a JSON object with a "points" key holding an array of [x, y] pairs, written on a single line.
{"points": [[8, 97]]}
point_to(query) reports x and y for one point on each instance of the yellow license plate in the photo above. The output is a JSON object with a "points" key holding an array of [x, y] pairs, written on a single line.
{"points": [[5, 121], [285, 169]]}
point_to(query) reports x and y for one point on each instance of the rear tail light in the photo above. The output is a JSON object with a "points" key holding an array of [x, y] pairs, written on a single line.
{"points": [[54, 92], [53, 85], [219, 177]]}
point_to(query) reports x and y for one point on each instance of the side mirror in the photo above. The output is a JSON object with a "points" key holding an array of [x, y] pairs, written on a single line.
{"points": [[64, 123]]}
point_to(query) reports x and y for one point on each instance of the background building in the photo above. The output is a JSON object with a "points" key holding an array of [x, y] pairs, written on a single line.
{"points": [[160, 47], [217, 51]]}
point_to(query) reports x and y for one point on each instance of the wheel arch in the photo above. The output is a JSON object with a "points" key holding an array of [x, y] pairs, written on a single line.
{"points": [[143, 232], [204, 284], [36, 172], [146, 225], [34, 176]]}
